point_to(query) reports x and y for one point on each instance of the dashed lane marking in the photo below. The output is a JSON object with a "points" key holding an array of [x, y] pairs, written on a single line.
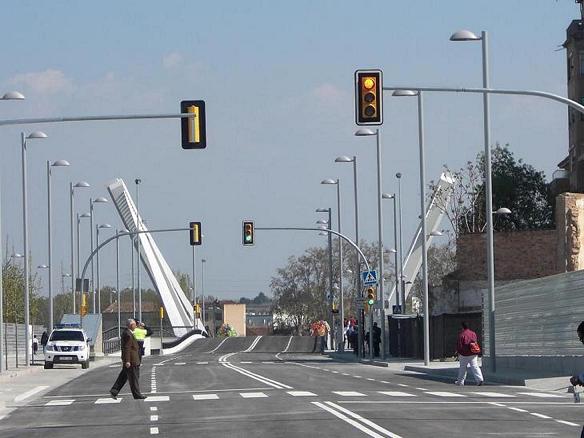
{"points": [[180, 363], [153, 417], [567, 423], [153, 431], [157, 398], [370, 379], [301, 394], [153, 409], [535, 414], [349, 393], [253, 394], [205, 397], [422, 389], [445, 394], [396, 394], [202, 363], [246, 362], [107, 401], [59, 403], [541, 395], [403, 385], [517, 409], [494, 394]]}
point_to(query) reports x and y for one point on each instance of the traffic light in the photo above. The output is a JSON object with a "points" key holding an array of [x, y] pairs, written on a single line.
{"points": [[368, 97], [371, 296], [195, 233], [84, 308], [193, 130], [248, 233]]}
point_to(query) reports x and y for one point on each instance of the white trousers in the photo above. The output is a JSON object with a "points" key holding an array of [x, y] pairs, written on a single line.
{"points": [[473, 362]]}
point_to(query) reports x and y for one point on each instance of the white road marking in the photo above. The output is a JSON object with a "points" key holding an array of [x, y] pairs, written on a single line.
{"points": [[202, 363], [248, 362], [372, 380], [445, 394], [288, 345], [205, 397], [383, 381], [568, 423], [361, 424], [349, 393], [114, 366], [156, 398], [153, 431], [301, 394], [541, 395], [253, 345], [217, 347], [30, 393], [252, 394], [268, 362], [396, 393], [59, 402], [344, 374], [517, 409], [494, 394], [107, 401], [335, 372], [180, 363], [358, 377], [535, 414], [422, 389], [403, 385], [254, 376], [153, 409], [153, 417]]}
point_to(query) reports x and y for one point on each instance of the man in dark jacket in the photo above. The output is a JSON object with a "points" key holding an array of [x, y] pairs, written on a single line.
{"points": [[466, 357], [130, 363], [376, 339]]}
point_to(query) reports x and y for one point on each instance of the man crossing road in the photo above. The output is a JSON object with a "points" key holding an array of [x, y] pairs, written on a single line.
{"points": [[131, 361]]}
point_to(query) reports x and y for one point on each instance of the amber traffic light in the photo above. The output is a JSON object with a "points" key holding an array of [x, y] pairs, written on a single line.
{"points": [[368, 97], [196, 237], [248, 232], [193, 129]]}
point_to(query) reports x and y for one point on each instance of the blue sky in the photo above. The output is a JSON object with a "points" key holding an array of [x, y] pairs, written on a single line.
{"points": [[278, 81]]}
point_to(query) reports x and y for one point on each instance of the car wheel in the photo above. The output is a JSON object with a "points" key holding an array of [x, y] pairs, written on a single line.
{"points": [[85, 365], [48, 366]]}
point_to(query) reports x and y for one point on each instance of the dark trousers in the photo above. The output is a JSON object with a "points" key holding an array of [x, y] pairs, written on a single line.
{"points": [[376, 349], [132, 375]]}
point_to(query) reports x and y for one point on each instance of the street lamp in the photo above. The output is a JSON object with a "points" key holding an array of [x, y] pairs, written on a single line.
{"points": [[330, 251], [58, 163], [12, 95], [337, 182], [32, 135], [393, 197], [72, 187], [203, 261], [118, 299], [97, 228], [362, 133], [398, 176], [466, 35], [79, 217], [138, 181], [92, 201], [345, 159]]}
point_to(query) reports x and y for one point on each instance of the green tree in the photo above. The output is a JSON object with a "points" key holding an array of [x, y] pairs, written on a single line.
{"points": [[516, 185]]}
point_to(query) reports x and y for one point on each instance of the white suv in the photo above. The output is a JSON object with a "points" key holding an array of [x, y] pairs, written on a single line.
{"points": [[67, 345]]}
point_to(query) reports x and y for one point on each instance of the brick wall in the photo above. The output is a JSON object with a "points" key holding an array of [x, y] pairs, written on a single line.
{"points": [[518, 255]]}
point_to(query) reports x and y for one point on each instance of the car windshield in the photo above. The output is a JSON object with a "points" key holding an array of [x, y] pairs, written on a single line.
{"points": [[67, 335]]}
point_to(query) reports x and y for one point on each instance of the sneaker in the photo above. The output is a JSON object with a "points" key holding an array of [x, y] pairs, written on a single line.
{"points": [[480, 383], [140, 397], [456, 382]]}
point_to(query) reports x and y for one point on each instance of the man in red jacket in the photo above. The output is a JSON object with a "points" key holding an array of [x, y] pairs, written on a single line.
{"points": [[467, 357]]}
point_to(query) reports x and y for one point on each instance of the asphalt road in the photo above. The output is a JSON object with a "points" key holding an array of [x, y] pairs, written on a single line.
{"points": [[247, 387]]}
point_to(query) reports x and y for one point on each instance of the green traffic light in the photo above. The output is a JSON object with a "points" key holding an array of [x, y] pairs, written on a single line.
{"points": [[370, 302], [248, 238]]}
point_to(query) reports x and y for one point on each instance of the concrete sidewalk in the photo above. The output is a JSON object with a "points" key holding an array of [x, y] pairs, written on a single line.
{"points": [[19, 386], [447, 371]]}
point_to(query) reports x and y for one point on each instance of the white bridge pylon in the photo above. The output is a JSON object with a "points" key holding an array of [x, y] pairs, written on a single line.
{"points": [[178, 307]]}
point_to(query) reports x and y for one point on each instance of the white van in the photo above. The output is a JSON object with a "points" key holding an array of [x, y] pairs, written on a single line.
{"points": [[67, 345]]}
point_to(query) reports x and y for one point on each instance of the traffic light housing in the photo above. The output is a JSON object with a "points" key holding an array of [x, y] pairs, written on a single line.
{"points": [[196, 237], [193, 130], [248, 233], [368, 97], [84, 307], [371, 296]]}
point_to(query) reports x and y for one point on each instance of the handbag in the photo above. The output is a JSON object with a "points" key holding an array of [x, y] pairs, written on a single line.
{"points": [[475, 348]]}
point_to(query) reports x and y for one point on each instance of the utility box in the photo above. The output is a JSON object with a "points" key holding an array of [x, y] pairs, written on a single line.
{"points": [[234, 315]]}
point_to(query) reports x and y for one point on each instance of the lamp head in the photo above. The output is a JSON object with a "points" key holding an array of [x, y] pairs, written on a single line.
{"points": [[329, 181], [387, 196], [364, 132], [60, 163], [82, 184], [404, 93], [464, 35], [343, 159], [13, 95], [100, 199], [37, 134]]}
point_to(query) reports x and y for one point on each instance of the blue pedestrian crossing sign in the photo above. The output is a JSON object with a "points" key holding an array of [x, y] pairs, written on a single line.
{"points": [[369, 278]]}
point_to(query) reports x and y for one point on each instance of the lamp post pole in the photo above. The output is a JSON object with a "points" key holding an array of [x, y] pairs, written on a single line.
{"points": [[330, 254], [194, 291], [13, 95], [118, 285], [133, 278], [402, 289], [203, 261], [139, 222]]}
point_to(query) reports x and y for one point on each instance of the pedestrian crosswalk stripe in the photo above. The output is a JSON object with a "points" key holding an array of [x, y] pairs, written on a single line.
{"points": [[349, 393], [493, 394], [245, 362], [157, 398], [445, 394], [541, 395], [301, 394], [59, 403], [396, 394], [107, 401], [153, 417], [153, 431], [252, 394], [205, 396], [535, 414], [153, 409]]}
